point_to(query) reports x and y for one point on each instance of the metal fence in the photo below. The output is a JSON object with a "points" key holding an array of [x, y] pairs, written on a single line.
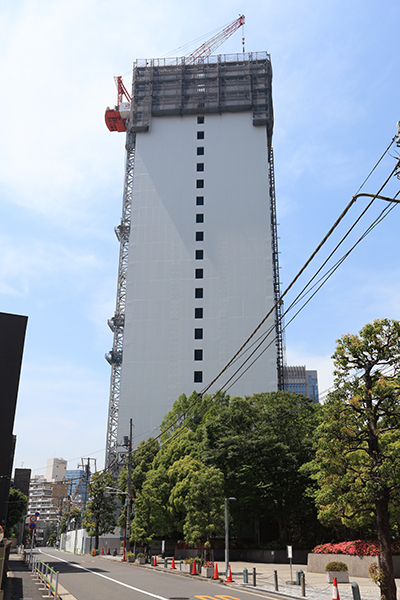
{"points": [[44, 572]]}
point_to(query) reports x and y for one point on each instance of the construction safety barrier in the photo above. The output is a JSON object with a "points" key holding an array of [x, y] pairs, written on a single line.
{"points": [[44, 572]]}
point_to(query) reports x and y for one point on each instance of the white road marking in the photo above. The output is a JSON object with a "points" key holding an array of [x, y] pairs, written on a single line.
{"points": [[104, 576]]}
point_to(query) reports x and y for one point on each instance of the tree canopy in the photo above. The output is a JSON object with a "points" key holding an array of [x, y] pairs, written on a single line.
{"points": [[99, 516], [356, 466], [251, 448], [17, 503]]}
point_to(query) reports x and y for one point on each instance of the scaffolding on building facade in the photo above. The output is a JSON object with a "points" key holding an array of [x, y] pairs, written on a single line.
{"points": [[175, 86]]}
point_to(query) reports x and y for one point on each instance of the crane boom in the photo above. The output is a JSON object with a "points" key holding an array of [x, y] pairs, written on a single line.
{"points": [[116, 117], [208, 47]]}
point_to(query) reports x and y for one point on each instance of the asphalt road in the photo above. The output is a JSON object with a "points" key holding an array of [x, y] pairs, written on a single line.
{"points": [[93, 578]]}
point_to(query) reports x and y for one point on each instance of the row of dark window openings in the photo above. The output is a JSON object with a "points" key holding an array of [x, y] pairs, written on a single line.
{"points": [[199, 254]]}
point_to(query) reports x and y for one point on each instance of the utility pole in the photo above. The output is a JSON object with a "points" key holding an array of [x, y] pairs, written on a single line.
{"points": [[129, 511]]}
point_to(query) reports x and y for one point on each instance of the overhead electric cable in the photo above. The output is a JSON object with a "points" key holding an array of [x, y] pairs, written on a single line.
{"points": [[301, 271]]}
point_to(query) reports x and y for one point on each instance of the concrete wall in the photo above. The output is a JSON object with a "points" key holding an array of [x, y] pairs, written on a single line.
{"points": [[78, 542], [248, 555], [357, 565], [158, 356]]}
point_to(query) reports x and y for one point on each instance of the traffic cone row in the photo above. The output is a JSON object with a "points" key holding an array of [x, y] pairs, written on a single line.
{"points": [[229, 577], [335, 593]]}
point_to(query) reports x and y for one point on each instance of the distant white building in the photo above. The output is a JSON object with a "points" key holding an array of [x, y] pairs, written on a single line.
{"points": [[45, 498], [56, 469], [200, 267]]}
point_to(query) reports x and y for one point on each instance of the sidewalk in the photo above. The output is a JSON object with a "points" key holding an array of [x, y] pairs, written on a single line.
{"points": [[20, 583], [317, 587]]}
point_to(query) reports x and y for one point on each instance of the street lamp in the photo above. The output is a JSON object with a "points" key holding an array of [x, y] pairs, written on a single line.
{"points": [[227, 534]]}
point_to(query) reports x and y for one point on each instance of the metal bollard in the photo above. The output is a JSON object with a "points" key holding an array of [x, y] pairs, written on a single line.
{"points": [[303, 585], [298, 576], [355, 590], [245, 576], [276, 581], [50, 582], [254, 577], [165, 563], [180, 565]]}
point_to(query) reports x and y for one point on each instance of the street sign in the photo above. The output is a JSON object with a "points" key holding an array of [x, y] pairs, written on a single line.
{"points": [[37, 514], [33, 518], [32, 526]]}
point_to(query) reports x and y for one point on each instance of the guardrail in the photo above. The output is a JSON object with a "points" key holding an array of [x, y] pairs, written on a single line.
{"points": [[44, 572]]}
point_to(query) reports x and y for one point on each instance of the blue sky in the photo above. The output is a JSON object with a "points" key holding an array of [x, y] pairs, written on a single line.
{"points": [[336, 102]]}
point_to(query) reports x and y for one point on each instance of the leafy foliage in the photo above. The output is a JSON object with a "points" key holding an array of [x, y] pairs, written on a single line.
{"points": [[17, 503], [73, 514], [251, 448], [99, 516], [356, 467], [355, 548], [336, 565], [260, 443]]}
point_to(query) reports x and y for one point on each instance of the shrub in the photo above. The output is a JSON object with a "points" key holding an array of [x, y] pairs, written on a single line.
{"points": [[355, 548], [336, 565], [140, 555]]}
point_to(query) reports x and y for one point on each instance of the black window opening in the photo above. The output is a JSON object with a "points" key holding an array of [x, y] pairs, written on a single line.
{"points": [[200, 150], [198, 376], [198, 313], [199, 218], [198, 293], [199, 236], [199, 254], [200, 120], [199, 200], [199, 274], [200, 135], [200, 167], [198, 355], [199, 183], [198, 334]]}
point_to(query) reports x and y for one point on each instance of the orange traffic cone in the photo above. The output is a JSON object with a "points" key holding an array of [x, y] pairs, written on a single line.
{"points": [[216, 575], [335, 594], [229, 578], [155, 561], [173, 563], [194, 570], [102, 550]]}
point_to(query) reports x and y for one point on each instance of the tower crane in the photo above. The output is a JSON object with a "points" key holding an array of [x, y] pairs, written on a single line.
{"points": [[116, 117]]}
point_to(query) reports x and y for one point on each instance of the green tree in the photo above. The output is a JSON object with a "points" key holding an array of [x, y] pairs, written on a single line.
{"points": [[17, 503], [357, 466], [74, 513], [99, 516], [260, 443], [196, 501], [192, 412]]}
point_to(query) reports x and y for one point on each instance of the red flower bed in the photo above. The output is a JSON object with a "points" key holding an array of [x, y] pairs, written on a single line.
{"points": [[355, 547]]}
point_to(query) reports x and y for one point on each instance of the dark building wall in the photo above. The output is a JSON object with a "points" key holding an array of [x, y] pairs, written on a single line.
{"points": [[12, 337], [22, 478]]}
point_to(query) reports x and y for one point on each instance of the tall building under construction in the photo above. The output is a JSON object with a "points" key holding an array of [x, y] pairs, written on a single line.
{"points": [[198, 263]]}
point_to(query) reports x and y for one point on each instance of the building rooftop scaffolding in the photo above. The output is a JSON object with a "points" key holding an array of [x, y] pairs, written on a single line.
{"points": [[223, 83]]}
